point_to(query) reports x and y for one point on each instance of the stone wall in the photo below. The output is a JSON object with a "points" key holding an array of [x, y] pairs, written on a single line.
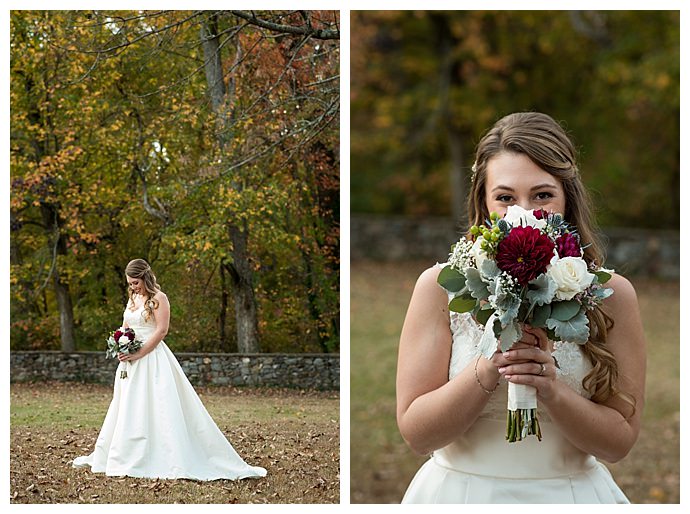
{"points": [[303, 371], [634, 252]]}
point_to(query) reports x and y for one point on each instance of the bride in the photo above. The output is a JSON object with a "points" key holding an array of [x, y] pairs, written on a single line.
{"points": [[451, 401], [156, 425]]}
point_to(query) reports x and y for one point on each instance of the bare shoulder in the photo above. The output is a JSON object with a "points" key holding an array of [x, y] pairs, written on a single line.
{"points": [[428, 290], [429, 300], [428, 280], [627, 332], [624, 296], [161, 297]]}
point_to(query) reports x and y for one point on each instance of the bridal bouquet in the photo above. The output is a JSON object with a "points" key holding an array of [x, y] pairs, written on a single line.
{"points": [[122, 340], [526, 267]]}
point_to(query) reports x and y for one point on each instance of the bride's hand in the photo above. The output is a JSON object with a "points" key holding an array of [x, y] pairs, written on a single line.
{"points": [[126, 357], [531, 364], [499, 361]]}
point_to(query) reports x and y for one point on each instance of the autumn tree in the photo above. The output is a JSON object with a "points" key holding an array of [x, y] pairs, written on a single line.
{"points": [[426, 84], [211, 124]]}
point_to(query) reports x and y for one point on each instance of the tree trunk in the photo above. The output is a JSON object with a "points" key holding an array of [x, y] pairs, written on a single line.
{"points": [[240, 269], [51, 220], [213, 66], [312, 298], [243, 292], [225, 343], [66, 314], [449, 77]]}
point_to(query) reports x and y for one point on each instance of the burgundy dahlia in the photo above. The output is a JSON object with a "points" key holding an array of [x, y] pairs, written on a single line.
{"points": [[128, 332], [568, 245], [524, 253]]}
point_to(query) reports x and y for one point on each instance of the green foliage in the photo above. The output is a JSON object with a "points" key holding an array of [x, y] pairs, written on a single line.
{"points": [[422, 80], [462, 303], [574, 329], [451, 279], [114, 156]]}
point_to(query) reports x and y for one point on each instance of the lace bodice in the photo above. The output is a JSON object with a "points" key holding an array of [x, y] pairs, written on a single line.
{"points": [[467, 333], [136, 319]]}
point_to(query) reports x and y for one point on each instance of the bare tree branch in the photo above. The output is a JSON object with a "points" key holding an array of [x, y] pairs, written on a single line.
{"points": [[160, 212], [305, 30], [144, 35]]}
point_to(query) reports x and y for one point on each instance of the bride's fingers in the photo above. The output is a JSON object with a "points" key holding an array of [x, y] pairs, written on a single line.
{"points": [[539, 334], [528, 338], [532, 368], [533, 353]]}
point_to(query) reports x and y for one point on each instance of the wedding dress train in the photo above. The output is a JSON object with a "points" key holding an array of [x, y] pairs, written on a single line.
{"points": [[156, 425]]}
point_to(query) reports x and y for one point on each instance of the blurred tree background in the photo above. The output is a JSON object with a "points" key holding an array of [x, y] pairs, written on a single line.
{"points": [[205, 142], [425, 85]]}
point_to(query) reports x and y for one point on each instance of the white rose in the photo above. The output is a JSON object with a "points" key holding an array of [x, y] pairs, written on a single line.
{"points": [[477, 252], [517, 216], [571, 276]]}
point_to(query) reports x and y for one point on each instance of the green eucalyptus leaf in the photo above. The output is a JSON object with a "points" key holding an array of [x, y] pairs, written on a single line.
{"points": [[462, 303], [483, 315], [540, 314], [602, 276], [451, 279], [575, 330], [563, 311]]}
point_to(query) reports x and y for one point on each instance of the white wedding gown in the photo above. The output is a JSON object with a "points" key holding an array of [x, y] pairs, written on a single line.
{"points": [[156, 425], [482, 467]]}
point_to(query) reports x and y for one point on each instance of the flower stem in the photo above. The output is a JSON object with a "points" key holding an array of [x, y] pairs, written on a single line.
{"points": [[521, 423]]}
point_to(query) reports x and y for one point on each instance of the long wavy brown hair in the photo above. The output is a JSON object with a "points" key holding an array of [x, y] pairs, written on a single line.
{"points": [[543, 140], [140, 269]]}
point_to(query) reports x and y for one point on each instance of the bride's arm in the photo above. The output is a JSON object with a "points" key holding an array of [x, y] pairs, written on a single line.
{"points": [[606, 430], [162, 317], [431, 410]]}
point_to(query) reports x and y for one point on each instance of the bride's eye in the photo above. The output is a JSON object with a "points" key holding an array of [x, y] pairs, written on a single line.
{"points": [[504, 198], [544, 195]]}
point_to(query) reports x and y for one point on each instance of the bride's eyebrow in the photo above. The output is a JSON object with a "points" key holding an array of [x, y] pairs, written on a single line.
{"points": [[501, 187], [545, 186]]}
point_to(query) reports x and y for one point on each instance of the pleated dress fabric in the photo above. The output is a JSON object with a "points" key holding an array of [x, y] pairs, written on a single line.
{"points": [[156, 425]]}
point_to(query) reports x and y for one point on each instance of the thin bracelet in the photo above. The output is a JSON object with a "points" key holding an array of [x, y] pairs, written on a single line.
{"points": [[476, 375]]}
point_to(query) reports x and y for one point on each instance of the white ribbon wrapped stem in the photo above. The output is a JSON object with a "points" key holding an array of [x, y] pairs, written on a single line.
{"points": [[521, 397]]}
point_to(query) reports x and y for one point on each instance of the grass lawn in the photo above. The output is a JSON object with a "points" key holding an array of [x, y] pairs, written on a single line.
{"points": [[382, 465], [293, 434]]}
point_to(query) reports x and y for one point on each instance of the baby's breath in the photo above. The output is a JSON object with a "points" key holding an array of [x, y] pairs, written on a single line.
{"points": [[461, 258]]}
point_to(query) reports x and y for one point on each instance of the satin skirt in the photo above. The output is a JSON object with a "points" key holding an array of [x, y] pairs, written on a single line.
{"points": [[481, 467], [157, 427]]}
